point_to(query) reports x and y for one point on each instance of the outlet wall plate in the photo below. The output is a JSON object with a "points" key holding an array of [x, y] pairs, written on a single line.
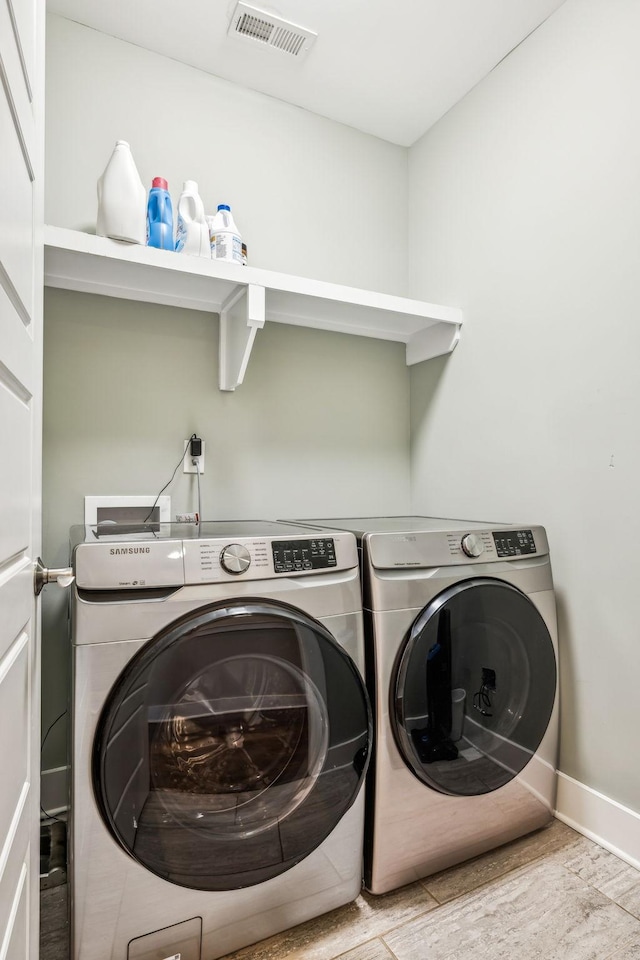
{"points": [[188, 466]]}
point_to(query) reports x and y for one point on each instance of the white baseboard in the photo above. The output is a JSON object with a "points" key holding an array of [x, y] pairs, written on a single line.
{"points": [[54, 790], [607, 822]]}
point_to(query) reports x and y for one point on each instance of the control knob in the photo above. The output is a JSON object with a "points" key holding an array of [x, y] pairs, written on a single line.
{"points": [[235, 558], [472, 545]]}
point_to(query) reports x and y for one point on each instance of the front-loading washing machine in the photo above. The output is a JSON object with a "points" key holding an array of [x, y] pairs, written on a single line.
{"points": [[460, 621], [221, 732]]}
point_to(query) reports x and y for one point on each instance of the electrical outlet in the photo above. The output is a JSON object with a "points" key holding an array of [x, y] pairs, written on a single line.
{"points": [[188, 466]]}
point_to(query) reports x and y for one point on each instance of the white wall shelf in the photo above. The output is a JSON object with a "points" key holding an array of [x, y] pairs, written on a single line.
{"points": [[244, 297]]}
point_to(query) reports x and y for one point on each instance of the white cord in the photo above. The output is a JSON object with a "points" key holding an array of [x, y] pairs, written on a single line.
{"points": [[196, 463]]}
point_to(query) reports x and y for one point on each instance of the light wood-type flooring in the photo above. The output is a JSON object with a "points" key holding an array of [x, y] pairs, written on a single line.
{"points": [[553, 895]]}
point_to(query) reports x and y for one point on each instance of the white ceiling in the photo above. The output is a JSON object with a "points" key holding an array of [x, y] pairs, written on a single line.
{"points": [[388, 67]]}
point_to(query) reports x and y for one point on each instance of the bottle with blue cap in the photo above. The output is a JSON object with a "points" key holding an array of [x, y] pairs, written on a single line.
{"points": [[226, 242]]}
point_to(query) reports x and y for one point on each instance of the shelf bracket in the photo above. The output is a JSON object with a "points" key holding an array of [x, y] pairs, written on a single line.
{"points": [[435, 341], [241, 316]]}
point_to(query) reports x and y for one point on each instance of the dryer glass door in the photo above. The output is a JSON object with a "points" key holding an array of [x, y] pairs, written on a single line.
{"points": [[474, 688], [231, 745]]}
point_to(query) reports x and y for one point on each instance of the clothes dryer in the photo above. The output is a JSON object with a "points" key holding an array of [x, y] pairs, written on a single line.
{"points": [[462, 670], [220, 735]]}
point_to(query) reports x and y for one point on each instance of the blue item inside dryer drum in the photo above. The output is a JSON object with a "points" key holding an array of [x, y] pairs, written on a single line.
{"points": [[487, 638], [231, 745]]}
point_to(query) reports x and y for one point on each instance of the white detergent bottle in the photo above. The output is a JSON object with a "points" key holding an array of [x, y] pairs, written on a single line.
{"points": [[122, 199], [226, 242], [192, 234]]}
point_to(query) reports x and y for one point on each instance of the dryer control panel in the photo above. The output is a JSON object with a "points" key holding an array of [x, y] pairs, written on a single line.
{"points": [[514, 543], [451, 547]]}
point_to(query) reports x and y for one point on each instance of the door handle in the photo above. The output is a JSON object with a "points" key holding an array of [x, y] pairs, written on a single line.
{"points": [[42, 575]]}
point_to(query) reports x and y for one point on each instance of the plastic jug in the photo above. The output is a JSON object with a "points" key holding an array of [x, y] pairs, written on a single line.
{"points": [[226, 242], [193, 234], [122, 199], [160, 216]]}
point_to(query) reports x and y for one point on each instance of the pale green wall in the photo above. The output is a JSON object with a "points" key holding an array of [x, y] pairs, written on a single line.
{"points": [[321, 423], [525, 211], [320, 426], [307, 193]]}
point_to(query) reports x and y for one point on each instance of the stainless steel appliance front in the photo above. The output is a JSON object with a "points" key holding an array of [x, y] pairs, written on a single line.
{"points": [[221, 733], [461, 626]]}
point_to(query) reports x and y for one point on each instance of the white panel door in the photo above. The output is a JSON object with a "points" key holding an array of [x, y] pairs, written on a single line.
{"points": [[21, 251]]}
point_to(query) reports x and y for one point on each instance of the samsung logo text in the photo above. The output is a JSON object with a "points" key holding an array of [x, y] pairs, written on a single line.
{"points": [[114, 551]]}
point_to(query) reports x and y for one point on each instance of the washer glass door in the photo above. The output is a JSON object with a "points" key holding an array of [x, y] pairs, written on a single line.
{"points": [[474, 687], [231, 745]]}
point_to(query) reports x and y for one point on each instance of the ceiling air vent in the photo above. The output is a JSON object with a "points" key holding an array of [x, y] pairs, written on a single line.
{"points": [[253, 24]]}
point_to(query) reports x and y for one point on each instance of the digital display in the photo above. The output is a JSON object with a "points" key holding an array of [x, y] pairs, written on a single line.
{"points": [[293, 555], [514, 543]]}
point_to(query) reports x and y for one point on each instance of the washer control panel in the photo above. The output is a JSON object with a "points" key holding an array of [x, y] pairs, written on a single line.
{"points": [[248, 558], [176, 555], [292, 555]]}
